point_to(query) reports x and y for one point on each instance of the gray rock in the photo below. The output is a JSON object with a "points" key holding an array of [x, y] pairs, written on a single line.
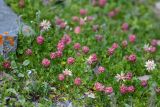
{"points": [[8, 44], [8, 19], [8, 23]]}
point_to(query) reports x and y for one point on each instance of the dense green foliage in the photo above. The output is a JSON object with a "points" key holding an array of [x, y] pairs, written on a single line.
{"points": [[42, 86]]}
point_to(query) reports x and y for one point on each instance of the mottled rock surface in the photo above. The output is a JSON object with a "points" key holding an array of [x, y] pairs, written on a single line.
{"points": [[9, 25]]}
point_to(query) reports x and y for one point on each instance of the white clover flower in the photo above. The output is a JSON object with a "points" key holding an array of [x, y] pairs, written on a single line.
{"points": [[144, 77], [146, 47], [150, 65], [45, 25], [89, 60], [158, 42], [120, 77], [67, 72]]}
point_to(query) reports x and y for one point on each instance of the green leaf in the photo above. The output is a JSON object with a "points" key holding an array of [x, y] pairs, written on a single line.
{"points": [[11, 90], [26, 63], [13, 65], [126, 105], [21, 99], [20, 75]]}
